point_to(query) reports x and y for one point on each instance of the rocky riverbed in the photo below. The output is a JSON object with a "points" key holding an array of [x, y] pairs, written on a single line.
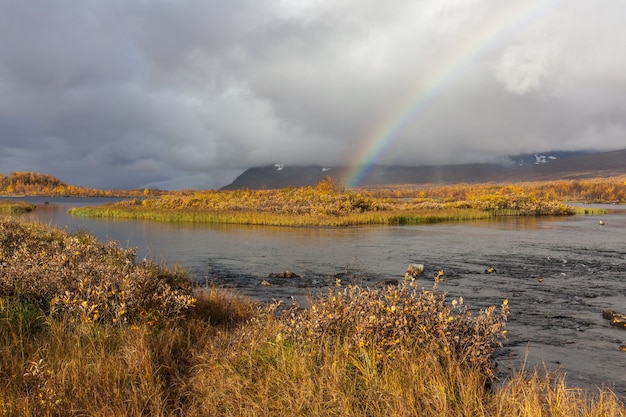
{"points": [[557, 294]]}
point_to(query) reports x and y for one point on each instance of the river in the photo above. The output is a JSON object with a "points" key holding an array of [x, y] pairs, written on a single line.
{"points": [[558, 273]]}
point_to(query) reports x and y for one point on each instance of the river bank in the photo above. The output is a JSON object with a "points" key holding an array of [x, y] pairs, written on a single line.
{"points": [[557, 322], [102, 334]]}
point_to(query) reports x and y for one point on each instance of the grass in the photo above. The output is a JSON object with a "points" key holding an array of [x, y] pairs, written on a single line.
{"points": [[589, 211], [324, 205], [273, 219], [178, 350], [15, 207]]}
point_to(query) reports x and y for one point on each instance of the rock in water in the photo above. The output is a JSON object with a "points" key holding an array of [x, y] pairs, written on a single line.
{"points": [[617, 319], [285, 274], [413, 271]]}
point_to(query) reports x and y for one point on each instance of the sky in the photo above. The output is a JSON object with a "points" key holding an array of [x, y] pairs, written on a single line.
{"points": [[177, 94]]}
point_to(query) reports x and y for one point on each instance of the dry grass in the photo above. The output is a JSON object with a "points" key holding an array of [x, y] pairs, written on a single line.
{"points": [[544, 393], [15, 207], [395, 351], [327, 205]]}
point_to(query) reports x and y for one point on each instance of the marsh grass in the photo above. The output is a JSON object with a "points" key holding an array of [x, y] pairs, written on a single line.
{"points": [[15, 207], [395, 217], [324, 205], [589, 211], [394, 351]]}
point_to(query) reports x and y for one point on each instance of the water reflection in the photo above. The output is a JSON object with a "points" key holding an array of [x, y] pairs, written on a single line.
{"points": [[318, 252]]}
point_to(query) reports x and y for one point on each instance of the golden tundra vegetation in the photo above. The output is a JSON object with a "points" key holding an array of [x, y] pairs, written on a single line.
{"points": [[87, 330], [328, 204], [35, 184], [15, 207]]}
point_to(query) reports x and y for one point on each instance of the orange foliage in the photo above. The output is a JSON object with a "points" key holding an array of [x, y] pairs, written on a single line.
{"points": [[34, 184], [596, 190]]}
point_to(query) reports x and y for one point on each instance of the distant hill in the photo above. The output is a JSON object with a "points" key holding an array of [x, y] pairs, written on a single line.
{"points": [[36, 184], [29, 183], [279, 176], [530, 167], [592, 165]]}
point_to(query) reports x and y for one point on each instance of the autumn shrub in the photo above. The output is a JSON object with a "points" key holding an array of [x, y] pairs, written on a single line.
{"points": [[322, 200], [328, 205], [78, 338], [78, 276], [399, 319], [514, 200], [591, 190]]}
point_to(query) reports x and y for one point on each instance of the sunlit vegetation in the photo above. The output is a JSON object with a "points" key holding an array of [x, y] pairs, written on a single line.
{"points": [[34, 184], [328, 205], [597, 190], [589, 210], [77, 275], [87, 330], [15, 207]]}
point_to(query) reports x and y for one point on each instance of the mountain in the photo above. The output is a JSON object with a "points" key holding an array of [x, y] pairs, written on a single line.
{"points": [[591, 165], [544, 157], [528, 167], [280, 176]]}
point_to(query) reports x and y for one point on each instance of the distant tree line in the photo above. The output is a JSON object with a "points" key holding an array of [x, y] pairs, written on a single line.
{"points": [[35, 184], [592, 190], [597, 190]]}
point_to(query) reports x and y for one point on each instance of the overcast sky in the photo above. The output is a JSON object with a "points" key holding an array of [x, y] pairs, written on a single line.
{"points": [[189, 93]]}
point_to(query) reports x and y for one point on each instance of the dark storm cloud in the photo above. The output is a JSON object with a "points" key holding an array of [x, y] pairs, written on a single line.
{"points": [[188, 93]]}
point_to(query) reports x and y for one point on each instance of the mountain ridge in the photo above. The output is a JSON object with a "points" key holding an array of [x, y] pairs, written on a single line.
{"points": [[545, 167]]}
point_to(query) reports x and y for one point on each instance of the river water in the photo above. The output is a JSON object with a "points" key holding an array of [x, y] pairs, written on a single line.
{"points": [[558, 274]]}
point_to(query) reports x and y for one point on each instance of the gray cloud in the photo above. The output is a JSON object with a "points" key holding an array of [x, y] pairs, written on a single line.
{"points": [[188, 93]]}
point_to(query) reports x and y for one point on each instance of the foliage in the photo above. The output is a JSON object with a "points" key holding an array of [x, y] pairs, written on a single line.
{"points": [[322, 200], [35, 184], [15, 207], [400, 319], [78, 276], [324, 205], [23, 182], [394, 351], [590, 190], [520, 202]]}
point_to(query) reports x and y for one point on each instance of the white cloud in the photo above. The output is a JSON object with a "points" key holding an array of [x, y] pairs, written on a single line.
{"points": [[525, 69]]}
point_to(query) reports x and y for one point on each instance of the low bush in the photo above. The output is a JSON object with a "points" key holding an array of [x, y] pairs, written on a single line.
{"points": [[84, 330], [78, 276], [399, 319], [327, 205]]}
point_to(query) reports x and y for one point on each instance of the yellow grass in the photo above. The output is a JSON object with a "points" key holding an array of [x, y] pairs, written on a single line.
{"points": [[394, 351], [15, 207], [327, 205]]}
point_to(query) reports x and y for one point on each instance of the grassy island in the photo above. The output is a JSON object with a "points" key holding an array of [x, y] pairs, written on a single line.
{"points": [[87, 330], [15, 207], [329, 205]]}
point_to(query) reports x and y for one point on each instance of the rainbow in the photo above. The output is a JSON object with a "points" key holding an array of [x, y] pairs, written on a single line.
{"points": [[507, 20]]}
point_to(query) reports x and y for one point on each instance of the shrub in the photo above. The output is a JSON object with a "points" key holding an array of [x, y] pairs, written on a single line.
{"points": [[81, 277], [399, 319]]}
